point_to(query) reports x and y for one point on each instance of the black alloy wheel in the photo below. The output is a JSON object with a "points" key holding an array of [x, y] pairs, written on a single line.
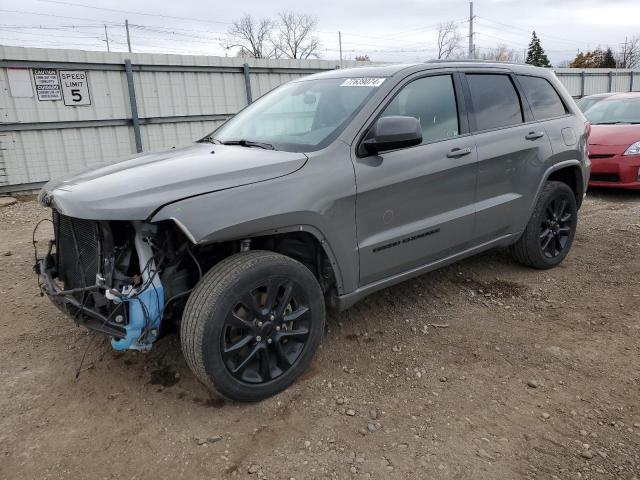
{"points": [[266, 330], [253, 324], [556, 227], [550, 231]]}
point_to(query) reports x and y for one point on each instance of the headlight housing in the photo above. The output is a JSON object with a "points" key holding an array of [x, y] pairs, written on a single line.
{"points": [[633, 149]]}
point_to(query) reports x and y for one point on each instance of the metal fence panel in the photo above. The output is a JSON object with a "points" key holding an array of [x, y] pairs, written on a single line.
{"points": [[168, 135], [580, 82], [178, 98], [40, 155]]}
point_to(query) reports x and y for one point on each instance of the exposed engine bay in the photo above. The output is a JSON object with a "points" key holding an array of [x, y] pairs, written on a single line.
{"points": [[130, 279], [120, 278]]}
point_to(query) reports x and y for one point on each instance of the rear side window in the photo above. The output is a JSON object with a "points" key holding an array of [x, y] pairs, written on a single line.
{"points": [[542, 97], [432, 100], [495, 101]]}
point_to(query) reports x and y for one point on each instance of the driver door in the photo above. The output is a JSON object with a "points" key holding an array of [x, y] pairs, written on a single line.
{"points": [[415, 205]]}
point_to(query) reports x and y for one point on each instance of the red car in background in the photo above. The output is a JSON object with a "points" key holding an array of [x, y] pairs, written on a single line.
{"points": [[614, 143]]}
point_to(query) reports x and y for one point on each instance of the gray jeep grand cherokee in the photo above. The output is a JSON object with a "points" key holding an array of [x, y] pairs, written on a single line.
{"points": [[323, 191]]}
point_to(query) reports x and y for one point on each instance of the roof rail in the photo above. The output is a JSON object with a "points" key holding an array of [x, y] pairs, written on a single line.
{"points": [[464, 60]]}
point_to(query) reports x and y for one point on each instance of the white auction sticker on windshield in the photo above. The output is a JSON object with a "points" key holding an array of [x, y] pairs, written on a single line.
{"points": [[362, 82]]}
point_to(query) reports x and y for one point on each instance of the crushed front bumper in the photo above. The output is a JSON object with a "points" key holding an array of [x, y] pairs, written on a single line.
{"points": [[68, 302]]}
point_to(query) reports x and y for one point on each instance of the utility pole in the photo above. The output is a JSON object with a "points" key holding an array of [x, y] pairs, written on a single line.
{"points": [[340, 45], [106, 38], [471, 49], [126, 26], [624, 54]]}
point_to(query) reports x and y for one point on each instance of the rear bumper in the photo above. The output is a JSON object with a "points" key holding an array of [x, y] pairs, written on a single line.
{"points": [[68, 303], [618, 171]]}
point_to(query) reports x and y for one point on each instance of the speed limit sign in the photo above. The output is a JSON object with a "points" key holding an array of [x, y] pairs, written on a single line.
{"points": [[75, 87]]}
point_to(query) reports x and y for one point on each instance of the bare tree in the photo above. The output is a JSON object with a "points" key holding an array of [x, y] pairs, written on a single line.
{"points": [[502, 53], [296, 37], [629, 55], [251, 35], [448, 40]]}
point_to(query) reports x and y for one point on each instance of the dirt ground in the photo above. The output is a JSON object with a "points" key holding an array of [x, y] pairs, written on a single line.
{"points": [[482, 370]]}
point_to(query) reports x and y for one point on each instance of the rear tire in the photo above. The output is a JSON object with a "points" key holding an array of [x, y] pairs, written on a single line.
{"points": [[252, 325], [549, 234]]}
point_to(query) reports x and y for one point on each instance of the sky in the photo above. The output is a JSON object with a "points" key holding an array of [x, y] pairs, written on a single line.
{"points": [[386, 31]]}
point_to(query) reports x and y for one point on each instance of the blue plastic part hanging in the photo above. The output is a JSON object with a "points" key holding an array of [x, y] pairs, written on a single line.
{"points": [[145, 307], [144, 317]]}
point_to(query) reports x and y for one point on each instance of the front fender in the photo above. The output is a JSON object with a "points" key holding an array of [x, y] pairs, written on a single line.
{"points": [[302, 201]]}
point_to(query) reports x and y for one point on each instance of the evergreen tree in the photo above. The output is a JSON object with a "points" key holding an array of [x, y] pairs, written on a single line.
{"points": [[608, 61], [535, 54]]}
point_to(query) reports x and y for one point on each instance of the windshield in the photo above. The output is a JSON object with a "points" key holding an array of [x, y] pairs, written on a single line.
{"points": [[586, 103], [299, 116], [612, 111]]}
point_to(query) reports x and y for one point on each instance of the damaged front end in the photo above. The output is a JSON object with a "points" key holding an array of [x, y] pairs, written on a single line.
{"points": [[120, 278]]}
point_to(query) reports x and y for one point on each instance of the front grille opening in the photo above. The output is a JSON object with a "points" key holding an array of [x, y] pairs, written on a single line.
{"points": [[601, 155], [77, 252], [604, 177]]}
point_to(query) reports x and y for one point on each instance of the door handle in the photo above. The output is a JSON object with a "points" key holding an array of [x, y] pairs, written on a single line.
{"points": [[534, 135], [459, 152]]}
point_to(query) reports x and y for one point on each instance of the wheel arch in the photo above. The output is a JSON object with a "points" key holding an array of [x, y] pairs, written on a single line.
{"points": [[571, 175], [310, 235], [565, 172], [309, 232], [568, 172]]}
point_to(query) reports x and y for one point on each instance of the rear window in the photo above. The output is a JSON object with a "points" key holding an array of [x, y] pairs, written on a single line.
{"points": [[542, 97], [495, 101]]}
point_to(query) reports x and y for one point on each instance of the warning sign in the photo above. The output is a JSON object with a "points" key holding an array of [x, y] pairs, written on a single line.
{"points": [[47, 84], [75, 87]]}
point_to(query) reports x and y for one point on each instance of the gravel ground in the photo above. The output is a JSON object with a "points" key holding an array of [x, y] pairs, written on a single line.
{"points": [[484, 369]]}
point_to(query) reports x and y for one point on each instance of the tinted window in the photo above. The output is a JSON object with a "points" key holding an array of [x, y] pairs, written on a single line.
{"points": [[542, 97], [300, 116], [495, 101], [431, 100]]}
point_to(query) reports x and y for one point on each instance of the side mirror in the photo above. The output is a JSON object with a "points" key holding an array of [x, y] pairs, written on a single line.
{"points": [[389, 133]]}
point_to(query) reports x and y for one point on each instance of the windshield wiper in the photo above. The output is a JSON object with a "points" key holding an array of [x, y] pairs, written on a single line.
{"points": [[249, 143], [210, 139]]}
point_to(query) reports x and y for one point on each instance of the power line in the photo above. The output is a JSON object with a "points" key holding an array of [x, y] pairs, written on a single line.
{"points": [[528, 31], [144, 29], [50, 27], [521, 46], [132, 12], [51, 34], [23, 12]]}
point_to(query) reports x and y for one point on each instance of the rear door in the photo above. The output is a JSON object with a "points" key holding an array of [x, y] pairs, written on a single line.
{"points": [[560, 125], [512, 148], [415, 205]]}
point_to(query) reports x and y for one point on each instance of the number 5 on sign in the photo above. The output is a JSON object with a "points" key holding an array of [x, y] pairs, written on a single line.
{"points": [[75, 87]]}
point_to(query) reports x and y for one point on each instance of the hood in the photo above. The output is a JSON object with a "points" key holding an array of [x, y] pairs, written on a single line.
{"points": [[133, 189], [620, 135]]}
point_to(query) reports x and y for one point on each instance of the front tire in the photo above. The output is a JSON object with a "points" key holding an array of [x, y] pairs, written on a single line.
{"points": [[549, 234], [252, 325]]}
